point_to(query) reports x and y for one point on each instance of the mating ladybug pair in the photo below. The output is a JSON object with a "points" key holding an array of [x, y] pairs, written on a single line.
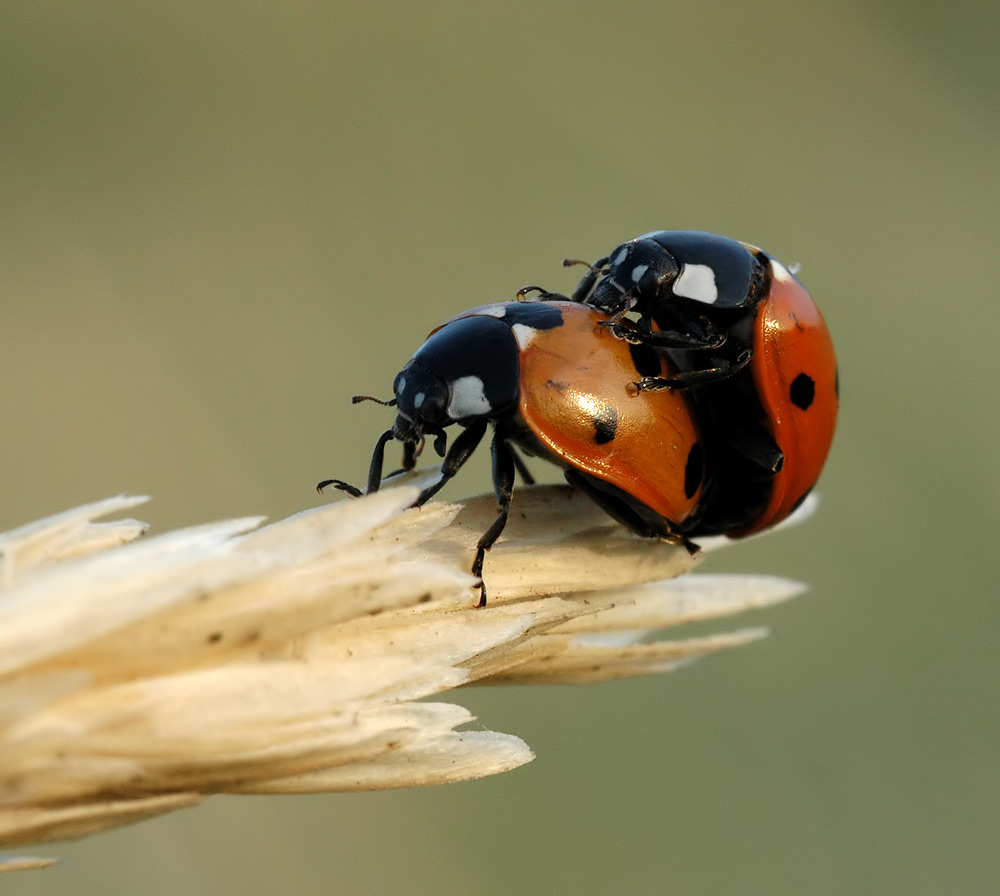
{"points": [[710, 411]]}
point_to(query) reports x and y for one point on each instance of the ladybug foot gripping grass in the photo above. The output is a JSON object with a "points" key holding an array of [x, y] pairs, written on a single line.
{"points": [[558, 384]]}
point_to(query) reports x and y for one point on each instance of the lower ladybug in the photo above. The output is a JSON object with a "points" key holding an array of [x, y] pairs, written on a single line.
{"points": [[754, 349], [557, 384]]}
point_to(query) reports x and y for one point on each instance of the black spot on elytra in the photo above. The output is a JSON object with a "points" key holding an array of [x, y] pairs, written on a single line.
{"points": [[694, 470], [802, 391], [605, 424], [646, 360]]}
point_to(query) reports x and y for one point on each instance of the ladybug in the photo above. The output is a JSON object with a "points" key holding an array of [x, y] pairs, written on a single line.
{"points": [[752, 347], [556, 384]]}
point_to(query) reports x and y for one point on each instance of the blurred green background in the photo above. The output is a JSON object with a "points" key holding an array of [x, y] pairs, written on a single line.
{"points": [[220, 221]]}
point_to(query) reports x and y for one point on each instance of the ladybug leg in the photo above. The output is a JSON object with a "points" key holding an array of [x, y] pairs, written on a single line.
{"points": [[543, 294], [522, 468], [374, 470], [378, 459], [757, 446], [623, 508], [671, 338], [411, 451], [504, 461], [461, 449], [694, 378], [660, 339], [620, 330], [340, 485], [587, 284]]}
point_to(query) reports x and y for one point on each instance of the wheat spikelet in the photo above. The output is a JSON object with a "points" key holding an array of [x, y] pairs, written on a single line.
{"points": [[141, 674]]}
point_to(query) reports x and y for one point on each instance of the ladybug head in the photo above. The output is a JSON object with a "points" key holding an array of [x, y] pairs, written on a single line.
{"points": [[637, 273], [466, 370], [421, 403]]}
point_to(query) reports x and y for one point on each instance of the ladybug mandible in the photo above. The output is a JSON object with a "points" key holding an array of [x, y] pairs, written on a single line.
{"points": [[755, 351], [557, 384]]}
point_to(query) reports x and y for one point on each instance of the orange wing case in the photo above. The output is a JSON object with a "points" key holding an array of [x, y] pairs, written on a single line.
{"points": [[577, 397]]}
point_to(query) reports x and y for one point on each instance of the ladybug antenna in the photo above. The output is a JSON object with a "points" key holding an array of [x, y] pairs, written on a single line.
{"points": [[357, 399], [569, 262]]}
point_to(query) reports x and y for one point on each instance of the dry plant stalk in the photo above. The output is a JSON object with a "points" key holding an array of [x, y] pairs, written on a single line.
{"points": [[138, 675]]}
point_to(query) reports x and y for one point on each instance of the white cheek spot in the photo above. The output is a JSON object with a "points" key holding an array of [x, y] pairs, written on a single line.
{"points": [[697, 281], [620, 257], [524, 335], [638, 271], [418, 400], [468, 398], [400, 385]]}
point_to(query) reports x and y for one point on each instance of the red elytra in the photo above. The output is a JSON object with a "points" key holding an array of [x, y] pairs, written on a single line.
{"points": [[794, 370]]}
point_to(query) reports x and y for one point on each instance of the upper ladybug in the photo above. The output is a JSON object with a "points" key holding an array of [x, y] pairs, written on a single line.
{"points": [[685, 285], [753, 348]]}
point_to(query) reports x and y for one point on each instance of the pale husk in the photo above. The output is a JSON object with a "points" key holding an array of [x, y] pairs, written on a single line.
{"points": [[138, 675]]}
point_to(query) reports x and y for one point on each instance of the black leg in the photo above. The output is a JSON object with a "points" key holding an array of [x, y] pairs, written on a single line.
{"points": [[522, 468], [463, 446], [410, 454], [374, 471], [543, 294], [339, 484], [620, 510], [503, 488], [669, 338], [694, 378], [378, 459], [587, 284], [758, 446]]}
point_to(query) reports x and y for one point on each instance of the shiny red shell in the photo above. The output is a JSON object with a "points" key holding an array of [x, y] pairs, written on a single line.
{"points": [[794, 371]]}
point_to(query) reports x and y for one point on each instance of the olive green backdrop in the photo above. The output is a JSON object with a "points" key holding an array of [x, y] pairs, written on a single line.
{"points": [[221, 220]]}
